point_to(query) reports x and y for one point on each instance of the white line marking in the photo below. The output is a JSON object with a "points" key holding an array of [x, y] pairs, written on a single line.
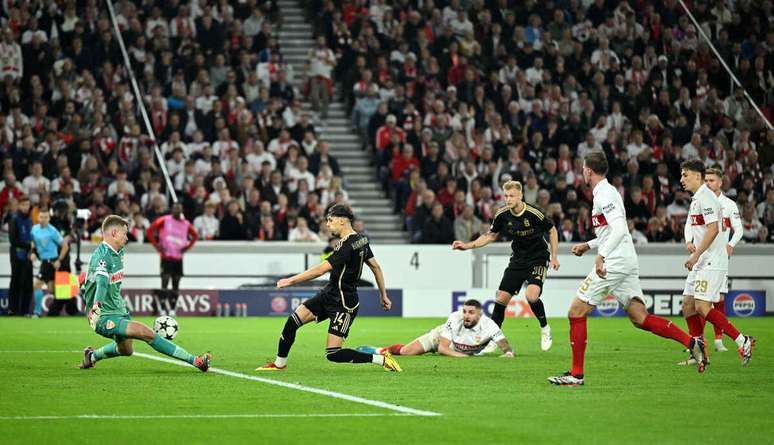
{"points": [[39, 352], [197, 416], [324, 392]]}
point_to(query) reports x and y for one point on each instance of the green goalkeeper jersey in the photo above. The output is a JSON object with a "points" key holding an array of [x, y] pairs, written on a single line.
{"points": [[103, 281]]}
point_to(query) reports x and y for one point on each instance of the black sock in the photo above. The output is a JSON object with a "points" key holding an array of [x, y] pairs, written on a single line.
{"points": [[288, 335], [498, 313], [339, 355], [540, 312]]}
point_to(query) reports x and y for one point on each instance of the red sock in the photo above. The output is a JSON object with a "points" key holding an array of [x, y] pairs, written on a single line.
{"points": [[578, 343], [695, 325], [394, 349], [666, 329], [717, 318], [721, 307]]}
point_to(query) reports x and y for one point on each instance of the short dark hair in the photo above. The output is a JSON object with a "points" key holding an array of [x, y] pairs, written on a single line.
{"points": [[716, 170], [472, 302], [597, 162], [694, 165]]}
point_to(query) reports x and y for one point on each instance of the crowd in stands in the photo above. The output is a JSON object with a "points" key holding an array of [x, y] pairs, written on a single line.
{"points": [[244, 157], [454, 97]]}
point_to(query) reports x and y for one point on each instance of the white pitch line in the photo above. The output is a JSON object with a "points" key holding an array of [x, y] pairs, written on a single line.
{"points": [[197, 416], [324, 392], [39, 352]]}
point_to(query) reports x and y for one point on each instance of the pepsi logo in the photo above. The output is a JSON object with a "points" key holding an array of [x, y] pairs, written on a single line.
{"points": [[608, 307], [744, 305], [279, 304]]}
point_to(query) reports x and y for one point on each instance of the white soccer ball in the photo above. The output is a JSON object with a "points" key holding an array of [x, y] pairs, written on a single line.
{"points": [[166, 327]]}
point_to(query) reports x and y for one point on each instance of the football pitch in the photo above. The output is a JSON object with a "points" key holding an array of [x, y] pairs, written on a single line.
{"points": [[634, 393]]}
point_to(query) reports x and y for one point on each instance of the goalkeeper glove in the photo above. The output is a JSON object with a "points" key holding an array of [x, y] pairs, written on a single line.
{"points": [[94, 314]]}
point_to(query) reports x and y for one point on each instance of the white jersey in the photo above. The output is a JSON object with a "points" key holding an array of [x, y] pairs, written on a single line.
{"points": [[729, 213], [706, 209], [473, 340], [613, 238]]}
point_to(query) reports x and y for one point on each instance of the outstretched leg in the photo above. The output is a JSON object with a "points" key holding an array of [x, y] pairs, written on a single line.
{"points": [[300, 317]]}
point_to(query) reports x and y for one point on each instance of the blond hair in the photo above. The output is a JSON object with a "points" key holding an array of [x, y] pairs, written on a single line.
{"points": [[510, 185], [113, 221], [714, 171]]}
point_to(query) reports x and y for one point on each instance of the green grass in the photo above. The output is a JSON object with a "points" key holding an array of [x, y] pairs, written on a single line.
{"points": [[634, 392]]}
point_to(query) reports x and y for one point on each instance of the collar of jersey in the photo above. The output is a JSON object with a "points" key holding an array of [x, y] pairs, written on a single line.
{"points": [[520, 213], [701, 187], [594, 192], [110, 247]]}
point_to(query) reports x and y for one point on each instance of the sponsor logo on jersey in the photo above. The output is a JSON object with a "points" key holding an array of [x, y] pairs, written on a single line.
{"points": [[697, 220], [608, 307], [744, 305], [117, 277], [598, 220]]}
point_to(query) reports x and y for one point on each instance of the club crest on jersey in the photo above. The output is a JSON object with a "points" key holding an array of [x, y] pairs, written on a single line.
{"points": [[110, 324], [117, 277]]}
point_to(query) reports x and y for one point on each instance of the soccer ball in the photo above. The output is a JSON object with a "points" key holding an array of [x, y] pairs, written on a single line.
{"points": [[166, 327]]}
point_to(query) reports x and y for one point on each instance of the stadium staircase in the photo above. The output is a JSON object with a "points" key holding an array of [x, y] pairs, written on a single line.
{"points": [[365, 194]]}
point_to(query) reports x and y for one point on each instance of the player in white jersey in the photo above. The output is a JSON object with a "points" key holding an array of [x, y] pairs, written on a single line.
{"points": [[615, 272], [729, 221], [467, 332], [708, 264]]}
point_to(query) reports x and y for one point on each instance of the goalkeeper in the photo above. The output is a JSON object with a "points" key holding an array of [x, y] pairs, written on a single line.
{"points": [[108, 317]]}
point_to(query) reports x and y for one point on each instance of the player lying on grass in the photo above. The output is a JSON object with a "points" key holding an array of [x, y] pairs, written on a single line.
{"points": [[467, 332], [338, 300], [108, 316]]}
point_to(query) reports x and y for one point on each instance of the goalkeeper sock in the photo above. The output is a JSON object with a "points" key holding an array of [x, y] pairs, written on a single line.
{"points": [[339, 355], [166, 347], [540, 312], [38, 301], [498, 313], [288, 336], [110, 350]]}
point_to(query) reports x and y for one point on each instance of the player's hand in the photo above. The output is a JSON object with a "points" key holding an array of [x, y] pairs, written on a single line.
{"points": [[690, 246], [508, 354], [729, 249], [33, 257], [458, 245], [554, 263], [386, 303], [599, 266], [580, 249], [57, 263], [285, 282], [94, 313], [692, 260]]}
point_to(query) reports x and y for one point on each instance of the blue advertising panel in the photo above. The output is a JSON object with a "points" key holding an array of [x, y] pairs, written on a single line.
{"points": [[746, 303], [282, 302]]}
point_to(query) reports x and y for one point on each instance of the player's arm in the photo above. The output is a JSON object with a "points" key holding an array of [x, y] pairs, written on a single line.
{"points": [[505, 347], [379, 275], [64, 247], [33, 254], [309, 274], [688, 234], [444, 348], [151, 233], [481, 241], [193, 236], [553, 237], [736, 225], [101, 278], [618, 229], [710, 213], [581, 248]]}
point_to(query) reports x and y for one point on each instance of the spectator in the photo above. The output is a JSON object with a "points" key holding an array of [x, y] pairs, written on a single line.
{"points": [[232, 224], [754, 230], [467, 226], [437, 229], [302, 232], [568, 233], [321, 62]]}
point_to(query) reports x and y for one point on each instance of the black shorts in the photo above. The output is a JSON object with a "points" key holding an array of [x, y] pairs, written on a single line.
{"points": [[172, 267], [330, 307], [47, 271], [515, 276]]}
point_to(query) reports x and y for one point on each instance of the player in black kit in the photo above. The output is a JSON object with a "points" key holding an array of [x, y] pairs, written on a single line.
{"points": [[526, 227], [338, 300]]}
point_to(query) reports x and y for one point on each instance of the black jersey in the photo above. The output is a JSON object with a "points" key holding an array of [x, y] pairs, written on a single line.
{"points": [[347, 260], [527, 232]]}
